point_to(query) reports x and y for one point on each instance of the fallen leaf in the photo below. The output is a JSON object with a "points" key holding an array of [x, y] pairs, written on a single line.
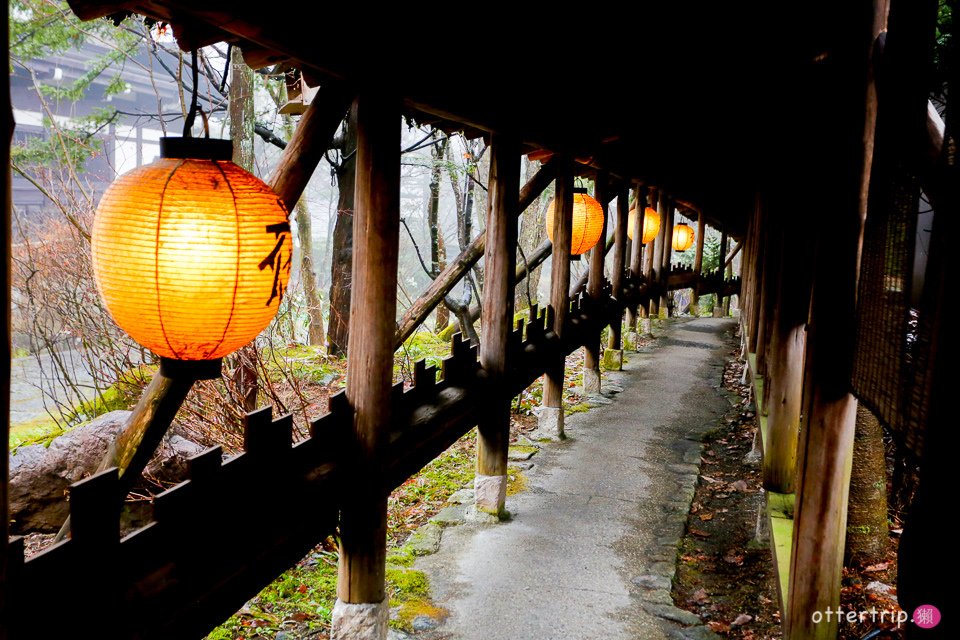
{"points": [[706, 516], [876, 567], [699, 597], [741, 620], [708, 479], [719, 627], [739, 485], [699, 533], [733, 558]]}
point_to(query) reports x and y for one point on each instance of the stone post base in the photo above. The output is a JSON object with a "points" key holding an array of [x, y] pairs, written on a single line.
{"points": [[363, 621], [591, 381], [613, 359], [550, 424], [647, 326], [491, 494], [630, 340]]}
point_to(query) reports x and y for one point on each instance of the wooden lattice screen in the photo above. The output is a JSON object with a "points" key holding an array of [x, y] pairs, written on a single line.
{"points": [[889, 373]]}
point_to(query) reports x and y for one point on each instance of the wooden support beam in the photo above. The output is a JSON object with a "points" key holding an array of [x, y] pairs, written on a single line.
{"points": [[838, 160], [310, 141], [721, 307], [698, 263], [619, 273], [6, 350], [496, 325], [459, 266], [784, 381], [373, 308], [767, 294], [732, 255], [656, 273], [666, 219], [551, 416], [637, 248], [595, 280]]}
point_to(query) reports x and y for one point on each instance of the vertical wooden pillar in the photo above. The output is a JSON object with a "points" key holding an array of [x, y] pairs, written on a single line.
{"points": [[499, 260], [591, 350], [837, 160], [362, 610], [550, 423], [756, 271], [656, 271], [768, 293], [698, 264], [5, 347], [666, 219], [649, 272], [784, 381], [723, 302], [613, 356], [636, 253]]}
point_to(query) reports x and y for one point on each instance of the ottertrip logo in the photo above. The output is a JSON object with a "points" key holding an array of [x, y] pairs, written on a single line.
{"points": [[926, 616]]}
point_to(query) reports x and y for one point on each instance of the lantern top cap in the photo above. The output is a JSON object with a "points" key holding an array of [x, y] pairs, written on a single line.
{"points": [[196, 148]]}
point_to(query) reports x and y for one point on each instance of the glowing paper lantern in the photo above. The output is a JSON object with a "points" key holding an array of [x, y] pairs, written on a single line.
{"points": [[587, 222], [682, 237], [191, 253], [651, 224]]}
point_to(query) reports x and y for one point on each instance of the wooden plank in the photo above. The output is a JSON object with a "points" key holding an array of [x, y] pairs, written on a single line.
{"points": [[618, 273], [497, 322], [373, 308], [637, 249], [459, 266], [656, 274]]}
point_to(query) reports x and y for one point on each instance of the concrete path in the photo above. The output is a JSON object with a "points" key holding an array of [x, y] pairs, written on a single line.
{"points": [[591, 547]]}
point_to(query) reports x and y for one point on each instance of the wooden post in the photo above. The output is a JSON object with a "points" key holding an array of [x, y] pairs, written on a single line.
{"points": [[768, 294], [656, 269], [591, 350], [648, 310], [459, 266], [666, 220], [5, 346], [496, 325], [636, 255], [838, 160], [550, 422], [756, 271], [721, 307], [784, 381], [698, 264], [362, 609], [613, 355]]}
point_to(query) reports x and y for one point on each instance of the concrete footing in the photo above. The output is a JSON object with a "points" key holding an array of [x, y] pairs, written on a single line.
{"points": [[362, 621], [591, 381], [550, 424], [613, 359], [491, 494]]}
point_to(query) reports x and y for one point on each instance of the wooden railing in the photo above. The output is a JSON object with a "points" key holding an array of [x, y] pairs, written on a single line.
{"points": [[225, 533]]}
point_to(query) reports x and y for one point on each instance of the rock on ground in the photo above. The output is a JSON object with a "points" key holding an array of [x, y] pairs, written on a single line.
{"points": [[41, 475]]}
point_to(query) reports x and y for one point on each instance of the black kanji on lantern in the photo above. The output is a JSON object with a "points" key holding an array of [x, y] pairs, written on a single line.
{"points": [[273, 260]]}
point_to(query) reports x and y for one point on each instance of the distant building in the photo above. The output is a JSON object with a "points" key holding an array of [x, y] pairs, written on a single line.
{"points": [[129, 141]]}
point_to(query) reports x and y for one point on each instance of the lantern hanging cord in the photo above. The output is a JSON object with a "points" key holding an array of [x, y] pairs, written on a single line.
{"points": [[194, 106]]}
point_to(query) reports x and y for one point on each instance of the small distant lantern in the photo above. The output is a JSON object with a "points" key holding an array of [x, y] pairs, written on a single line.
{"points": [[587, 222], [651, 224], [682, 237], [191, 253]]}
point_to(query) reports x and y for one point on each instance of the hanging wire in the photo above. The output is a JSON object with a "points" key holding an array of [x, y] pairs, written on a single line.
{"points": [[192, 114], [226, 67]]}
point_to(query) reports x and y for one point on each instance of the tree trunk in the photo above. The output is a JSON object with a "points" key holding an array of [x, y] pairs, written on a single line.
{"points": [[241, 134], [341, 258], [308, 276], [437, 248], [533, 231], [867, 534]]}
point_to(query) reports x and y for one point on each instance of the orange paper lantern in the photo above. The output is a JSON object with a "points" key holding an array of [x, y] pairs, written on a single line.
{"points": [[651, 224], [191, 253], [587, 222], [682, 237]]}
